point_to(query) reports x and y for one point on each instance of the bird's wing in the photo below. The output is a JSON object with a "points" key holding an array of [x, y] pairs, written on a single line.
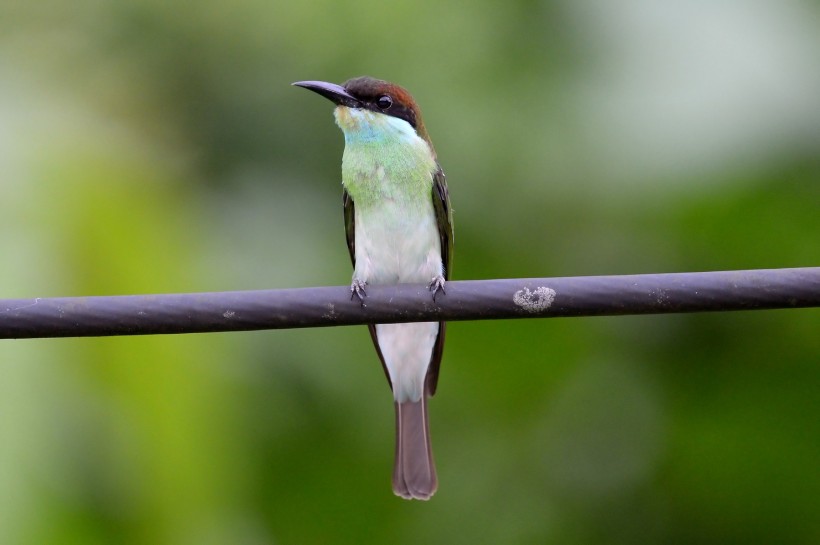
{"points": [[350, 225], [444, 220]]}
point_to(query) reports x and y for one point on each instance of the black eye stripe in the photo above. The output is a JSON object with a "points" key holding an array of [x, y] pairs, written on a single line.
{"points": [[402, 112], [385, 104]]}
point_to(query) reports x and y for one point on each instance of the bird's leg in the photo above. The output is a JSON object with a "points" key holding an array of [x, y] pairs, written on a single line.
{"points": [[436, 285], [357, 289]]}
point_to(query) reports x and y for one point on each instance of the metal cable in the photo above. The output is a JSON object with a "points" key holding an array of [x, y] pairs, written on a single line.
{"points": [[464, 300]]}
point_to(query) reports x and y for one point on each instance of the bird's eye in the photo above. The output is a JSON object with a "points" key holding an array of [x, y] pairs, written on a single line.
{"points": [[384, 102]]}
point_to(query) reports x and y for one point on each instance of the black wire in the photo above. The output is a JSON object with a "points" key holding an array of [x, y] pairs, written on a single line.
{"points": [[464, 300]]}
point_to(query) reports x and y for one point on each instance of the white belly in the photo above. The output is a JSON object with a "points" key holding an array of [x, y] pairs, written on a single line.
{"points": [[395, 245]]}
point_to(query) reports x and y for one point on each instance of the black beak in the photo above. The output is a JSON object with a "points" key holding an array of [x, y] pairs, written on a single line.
{"points": [[335, 93]]}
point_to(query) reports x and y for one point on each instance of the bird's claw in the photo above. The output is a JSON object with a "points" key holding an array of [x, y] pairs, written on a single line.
{"points": [[436, 285], [357, 289]]}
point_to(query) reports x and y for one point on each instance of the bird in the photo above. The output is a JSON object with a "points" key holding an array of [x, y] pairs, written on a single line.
{"points": [[399, 229]]}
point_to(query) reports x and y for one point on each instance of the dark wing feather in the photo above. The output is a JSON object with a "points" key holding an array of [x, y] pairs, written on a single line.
{"points": [[444, 220], [350, 225], [350, 233]]}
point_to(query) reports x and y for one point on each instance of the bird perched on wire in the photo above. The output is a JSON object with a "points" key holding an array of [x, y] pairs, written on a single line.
{"points": [[399, 227]]}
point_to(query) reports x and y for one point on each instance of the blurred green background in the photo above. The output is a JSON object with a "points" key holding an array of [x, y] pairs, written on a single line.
{"points": [[157, 146]]}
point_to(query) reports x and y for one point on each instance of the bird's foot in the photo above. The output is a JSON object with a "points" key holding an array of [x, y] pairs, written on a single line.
{"points": [[436, 285], [357, 289]]}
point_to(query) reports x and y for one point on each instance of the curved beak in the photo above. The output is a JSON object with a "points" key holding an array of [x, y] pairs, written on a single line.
{"points": [[335, 93]]}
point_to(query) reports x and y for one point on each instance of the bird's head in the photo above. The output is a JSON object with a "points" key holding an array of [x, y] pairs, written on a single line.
{"points": [[366, 105]]}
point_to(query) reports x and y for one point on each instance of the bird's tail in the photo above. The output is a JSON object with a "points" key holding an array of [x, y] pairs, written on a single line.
{"points": [[414, 473]]}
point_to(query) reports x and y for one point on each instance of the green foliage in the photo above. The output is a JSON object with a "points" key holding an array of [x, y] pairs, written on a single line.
{"points": [[158, 147]]}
